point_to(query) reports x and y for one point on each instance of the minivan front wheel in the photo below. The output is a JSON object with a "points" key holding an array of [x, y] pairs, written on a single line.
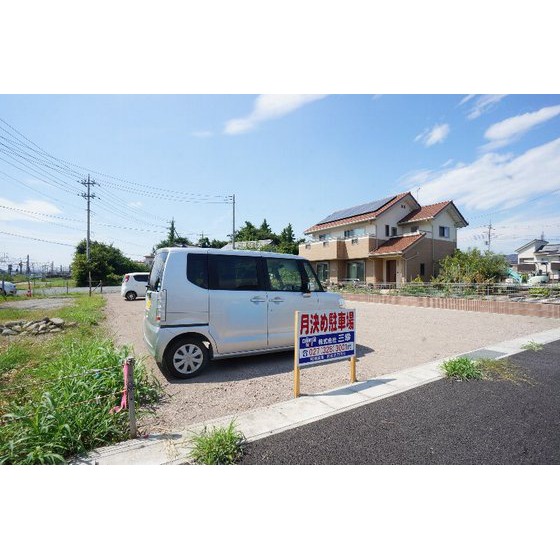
{"points": [[186, 358]]}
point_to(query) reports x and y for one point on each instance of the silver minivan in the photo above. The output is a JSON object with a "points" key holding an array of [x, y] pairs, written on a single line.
{"points": [[204, 304]]}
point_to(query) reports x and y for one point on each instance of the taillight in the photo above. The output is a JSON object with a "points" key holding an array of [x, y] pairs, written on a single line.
{"points": [[126, 277], [161, 306]]}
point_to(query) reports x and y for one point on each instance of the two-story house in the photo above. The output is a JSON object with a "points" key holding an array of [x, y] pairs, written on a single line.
{"points": [[394, 239], [539, 257]]}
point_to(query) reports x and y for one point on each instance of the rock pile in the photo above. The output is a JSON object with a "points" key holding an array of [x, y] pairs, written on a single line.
{"points": [[41, 326]]}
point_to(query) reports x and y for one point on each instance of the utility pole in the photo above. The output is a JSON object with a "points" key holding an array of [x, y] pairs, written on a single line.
{"points": [[233, 231], [490, 230], [88, 196]]}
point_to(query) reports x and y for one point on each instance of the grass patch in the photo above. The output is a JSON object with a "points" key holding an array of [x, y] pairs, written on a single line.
{"points": [[219, 446], [462, 368], [14, 356], [56, 392], [503, 370], [533, 346]]}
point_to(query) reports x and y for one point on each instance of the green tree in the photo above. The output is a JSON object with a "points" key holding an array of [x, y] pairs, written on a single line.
{"points": [[473, 266], [205, 243], [264, 232], [107, 264], [287, 242], [247, 233]]}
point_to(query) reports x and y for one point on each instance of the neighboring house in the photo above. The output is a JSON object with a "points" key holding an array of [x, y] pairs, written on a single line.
{"points": [[261, 245], [539, 257], [390, 240], [148, 260]]}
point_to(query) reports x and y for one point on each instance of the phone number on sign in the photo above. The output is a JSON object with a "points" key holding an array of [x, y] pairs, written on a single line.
{"points": [[325, 350]]}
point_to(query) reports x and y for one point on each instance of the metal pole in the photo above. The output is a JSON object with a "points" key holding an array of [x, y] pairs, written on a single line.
{"points": [[233, 231], [296, 358], [130, 393]]}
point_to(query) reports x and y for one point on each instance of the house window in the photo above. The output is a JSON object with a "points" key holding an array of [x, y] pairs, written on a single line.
{"points": [[322, 237], [413, 229], [323, 271], [386, 230], [355, 270], [444, 231], [422, 269], [393, 232], [354, 232]]}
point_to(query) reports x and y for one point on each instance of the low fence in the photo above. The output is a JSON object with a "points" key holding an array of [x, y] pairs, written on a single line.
{"points": [[487, 300], [499, 291]]}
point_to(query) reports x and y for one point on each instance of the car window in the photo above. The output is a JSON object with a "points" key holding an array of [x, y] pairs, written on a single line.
{"points": [[284, 275], [197, 269], [156, 273], [229, 272], [141, 277], [313, 282]]}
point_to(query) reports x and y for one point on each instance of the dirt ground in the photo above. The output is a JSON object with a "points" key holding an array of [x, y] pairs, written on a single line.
{"points": [[389, 338]]}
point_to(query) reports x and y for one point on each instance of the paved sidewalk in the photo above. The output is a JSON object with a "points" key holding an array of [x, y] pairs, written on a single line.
{"points": [[174, 448]]}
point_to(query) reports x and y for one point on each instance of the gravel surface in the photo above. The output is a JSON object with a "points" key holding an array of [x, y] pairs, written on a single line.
{"points": [[389, 338], [40, 303], [498, 422]]}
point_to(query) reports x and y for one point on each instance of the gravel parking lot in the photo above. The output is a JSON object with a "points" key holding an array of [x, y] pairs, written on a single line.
{"points": [[389, 338]]}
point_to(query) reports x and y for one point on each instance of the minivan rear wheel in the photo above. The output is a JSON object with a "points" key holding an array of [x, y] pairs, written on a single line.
{"points": [[186, 358], [130, 296]]}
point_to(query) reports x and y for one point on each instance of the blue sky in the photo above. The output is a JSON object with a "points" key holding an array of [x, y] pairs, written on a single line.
{"points": [[287, 158]]}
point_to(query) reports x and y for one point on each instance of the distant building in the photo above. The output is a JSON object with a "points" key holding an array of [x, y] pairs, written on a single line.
{"points": [[394, 239], [539, 257]]}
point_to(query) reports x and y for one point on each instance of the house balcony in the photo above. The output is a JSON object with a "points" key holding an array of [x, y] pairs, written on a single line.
{"points": [[337, 248]]}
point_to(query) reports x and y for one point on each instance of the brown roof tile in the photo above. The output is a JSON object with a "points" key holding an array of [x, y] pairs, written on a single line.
{"points": [[425, 212], [397, 245], [358, 218]]}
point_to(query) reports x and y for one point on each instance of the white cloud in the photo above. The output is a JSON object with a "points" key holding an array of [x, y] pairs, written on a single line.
{"points": [[37, 206], [497, 180], [268, 107], [481, 105], [509, 130], [434, 136]]}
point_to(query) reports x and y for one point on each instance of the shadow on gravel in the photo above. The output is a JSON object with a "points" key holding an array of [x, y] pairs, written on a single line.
{"points": [[250, 367]]}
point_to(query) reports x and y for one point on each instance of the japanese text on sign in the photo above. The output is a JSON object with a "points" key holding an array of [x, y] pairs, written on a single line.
{"points": [[325, 336]]}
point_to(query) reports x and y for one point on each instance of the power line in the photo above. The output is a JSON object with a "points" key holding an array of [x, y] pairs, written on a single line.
{"points": [[36, 239]]}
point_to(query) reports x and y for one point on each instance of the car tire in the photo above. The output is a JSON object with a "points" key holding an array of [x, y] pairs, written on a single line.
{"points": [[2, 292], [186, 358], [130, 296]]}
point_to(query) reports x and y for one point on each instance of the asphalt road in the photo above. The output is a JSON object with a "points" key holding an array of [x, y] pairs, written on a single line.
{"points": [[445, 422]]}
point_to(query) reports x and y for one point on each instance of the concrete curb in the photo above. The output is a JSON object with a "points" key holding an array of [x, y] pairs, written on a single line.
{"points": [[174, 448]]}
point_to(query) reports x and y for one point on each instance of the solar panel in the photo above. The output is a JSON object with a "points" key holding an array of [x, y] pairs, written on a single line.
{"points": [[356, 210]]}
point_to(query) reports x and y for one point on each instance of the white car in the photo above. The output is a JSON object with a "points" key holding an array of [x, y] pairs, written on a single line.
{"points": [[7, 288], [134, 285]]}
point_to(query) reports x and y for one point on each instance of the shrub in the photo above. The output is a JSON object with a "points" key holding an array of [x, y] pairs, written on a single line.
{"points": [[220, 446], [462, 368]]}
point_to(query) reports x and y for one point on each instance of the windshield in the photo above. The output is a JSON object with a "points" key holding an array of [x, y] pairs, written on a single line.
{"points": [[156, 273]]}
